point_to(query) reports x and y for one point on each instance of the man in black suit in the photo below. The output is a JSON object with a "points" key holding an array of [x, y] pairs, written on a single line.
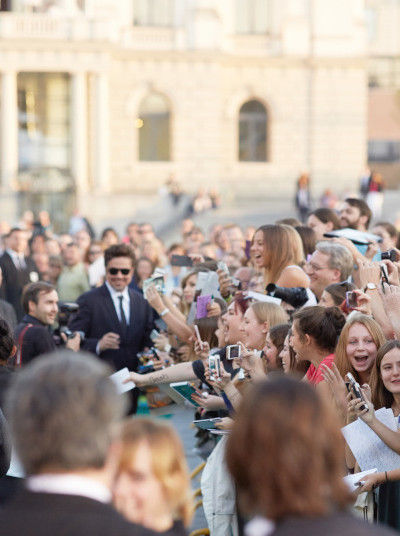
{"points": [[116, 320], [63, 409], [18, 270]]}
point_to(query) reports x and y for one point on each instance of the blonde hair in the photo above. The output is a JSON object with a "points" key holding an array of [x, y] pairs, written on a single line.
{"points": [[341, 359], [283, 247], [168, 462], [269, 312]]}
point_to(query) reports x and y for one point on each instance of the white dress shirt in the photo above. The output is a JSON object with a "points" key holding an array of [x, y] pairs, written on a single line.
{"points": [[66, 484], [126, 304], [17, 258]]}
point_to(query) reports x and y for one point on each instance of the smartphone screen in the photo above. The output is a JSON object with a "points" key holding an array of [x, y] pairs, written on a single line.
{"points": [[181, 260]]}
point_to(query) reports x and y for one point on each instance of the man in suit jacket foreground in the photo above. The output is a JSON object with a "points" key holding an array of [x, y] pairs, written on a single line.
{"points": [[116, 320], [63, 409]]}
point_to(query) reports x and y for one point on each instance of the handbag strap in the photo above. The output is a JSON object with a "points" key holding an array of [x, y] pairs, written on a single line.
{"points": [[18, 357]]}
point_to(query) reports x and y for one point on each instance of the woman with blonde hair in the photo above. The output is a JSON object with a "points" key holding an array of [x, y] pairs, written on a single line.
{"points": [[152, 487], [278, 251], [259, 318], [358, 344]]}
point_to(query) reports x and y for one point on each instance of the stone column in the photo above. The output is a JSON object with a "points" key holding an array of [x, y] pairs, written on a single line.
{"points": [[79, 131], [9, 130], [102, 134]]}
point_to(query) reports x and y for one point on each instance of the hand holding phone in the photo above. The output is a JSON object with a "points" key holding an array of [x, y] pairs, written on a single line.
{"points": [[354, 388]]}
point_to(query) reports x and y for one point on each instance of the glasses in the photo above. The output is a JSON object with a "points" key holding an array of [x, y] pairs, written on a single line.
{"points": [[114, 271], [95, 252], [315, 267]]}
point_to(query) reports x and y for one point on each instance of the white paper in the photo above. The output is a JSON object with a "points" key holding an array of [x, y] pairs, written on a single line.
{"points": [[351, 480], [119, 377], [368, 449], [262, 297]]}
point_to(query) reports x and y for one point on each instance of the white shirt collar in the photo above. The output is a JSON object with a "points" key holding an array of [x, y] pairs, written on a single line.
{"points": [[115, 293], [14, 254], [67, 484]]}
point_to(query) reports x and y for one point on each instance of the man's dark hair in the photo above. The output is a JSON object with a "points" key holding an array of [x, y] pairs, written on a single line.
{"points": [[14, 230], [362, 207], [31, 293], [119, 250]]}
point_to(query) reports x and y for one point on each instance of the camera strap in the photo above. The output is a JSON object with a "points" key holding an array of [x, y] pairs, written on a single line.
{"points": [[18, 355]]}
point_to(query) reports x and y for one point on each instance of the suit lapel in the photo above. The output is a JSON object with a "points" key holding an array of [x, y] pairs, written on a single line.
{"points": [[110, 309]]}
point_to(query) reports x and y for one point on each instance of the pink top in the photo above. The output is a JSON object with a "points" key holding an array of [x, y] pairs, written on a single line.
{"points": [[314, 375]]}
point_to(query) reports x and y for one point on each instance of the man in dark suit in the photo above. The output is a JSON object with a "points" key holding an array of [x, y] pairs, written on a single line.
{"points": [[18, 270], [116, 320], [63, 409]]}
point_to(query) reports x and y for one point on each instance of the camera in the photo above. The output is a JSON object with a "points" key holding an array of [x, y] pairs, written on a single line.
{"points": [[390, 255], [294, 296], [354, 387], [156, 279], [65, 311]]}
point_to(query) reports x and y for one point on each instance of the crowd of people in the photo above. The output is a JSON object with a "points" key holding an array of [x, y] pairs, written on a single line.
{"points": [[282, 336]]}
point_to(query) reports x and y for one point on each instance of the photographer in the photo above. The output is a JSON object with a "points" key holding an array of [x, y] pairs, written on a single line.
{"points": [[33, 334]]}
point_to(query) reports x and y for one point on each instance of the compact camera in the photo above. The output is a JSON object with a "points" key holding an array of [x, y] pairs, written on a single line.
{"points": [[233, 351]]}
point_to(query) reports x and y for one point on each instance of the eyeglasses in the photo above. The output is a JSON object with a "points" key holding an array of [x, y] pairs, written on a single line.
{"points": [[315, 267], [95, 252], [114, 271]]}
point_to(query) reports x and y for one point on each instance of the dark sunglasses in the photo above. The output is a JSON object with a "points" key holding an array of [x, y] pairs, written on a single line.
{"points": [[114, 271]]}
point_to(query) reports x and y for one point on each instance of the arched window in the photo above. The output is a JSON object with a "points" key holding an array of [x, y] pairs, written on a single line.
{"points": [[154, 130], [253, 132]]}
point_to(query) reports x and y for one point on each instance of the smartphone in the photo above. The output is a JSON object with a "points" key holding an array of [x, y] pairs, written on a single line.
{"points": [[214, 364], [233, 351], [384, 273], [247, 249], [196, 329], [207, 424], [354, 388], [154, 334], [181, 260], [351, 299]]}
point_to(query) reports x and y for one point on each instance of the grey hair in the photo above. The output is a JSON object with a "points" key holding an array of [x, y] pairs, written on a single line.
{"points": [[62, 410], [339, 257]]}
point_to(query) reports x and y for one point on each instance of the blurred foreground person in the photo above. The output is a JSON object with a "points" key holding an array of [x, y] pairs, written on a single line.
{"points": [[63, 410], [153, 485], [298, 488]]}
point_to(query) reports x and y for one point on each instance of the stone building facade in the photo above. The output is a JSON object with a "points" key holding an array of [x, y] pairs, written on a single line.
{"points": [[241, 95]]}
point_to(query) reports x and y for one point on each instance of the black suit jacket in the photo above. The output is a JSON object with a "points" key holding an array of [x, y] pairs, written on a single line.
{"points": [[97, 316], [48, 514], [14, 281]]}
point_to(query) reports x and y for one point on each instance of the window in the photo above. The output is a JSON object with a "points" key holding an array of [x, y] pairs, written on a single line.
{"points": [[44, 133], [153, 12], [383, 151], [154, 129], [251, 16], [253, 132]]}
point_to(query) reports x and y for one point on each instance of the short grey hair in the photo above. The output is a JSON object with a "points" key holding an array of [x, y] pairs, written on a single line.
{"points": [[62, 410], [340, 257]]}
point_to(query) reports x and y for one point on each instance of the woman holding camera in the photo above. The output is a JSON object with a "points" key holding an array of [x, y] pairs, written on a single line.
{"points": [[298, 489], [385, 393], [278, 251]]}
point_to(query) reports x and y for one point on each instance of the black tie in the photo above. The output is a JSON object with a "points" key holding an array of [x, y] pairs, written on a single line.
{"points": [[122, 314]]}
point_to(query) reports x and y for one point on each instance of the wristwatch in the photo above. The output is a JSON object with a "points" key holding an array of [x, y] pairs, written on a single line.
{"points": [[370, 286]]}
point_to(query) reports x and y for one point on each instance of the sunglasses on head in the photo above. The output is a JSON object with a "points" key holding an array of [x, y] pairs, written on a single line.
{"points": [[114, 271]]}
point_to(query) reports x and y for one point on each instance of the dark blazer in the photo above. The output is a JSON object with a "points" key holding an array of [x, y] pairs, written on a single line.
{"points": [[37, 339], [97, 316], [331, 525], [14, 281], [48, 514]]}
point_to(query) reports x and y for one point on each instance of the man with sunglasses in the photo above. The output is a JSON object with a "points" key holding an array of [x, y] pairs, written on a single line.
{"points": [[116, 320]]}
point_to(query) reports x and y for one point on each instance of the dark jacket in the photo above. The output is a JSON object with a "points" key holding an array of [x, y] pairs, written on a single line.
{"points": [[97, 316], [37, 339], [48, 514], [15, 280], [5, 446]]}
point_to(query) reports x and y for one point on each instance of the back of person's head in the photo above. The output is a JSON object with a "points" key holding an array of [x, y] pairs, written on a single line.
{"points": [[32, 291], [323, 324], [7, 347], [269, 312], [302, 474], [119, 250], [167, 459], [362, 207], [308, 238], [207, 328], [326, 215], [278, 334], [339, 257], [62, 409], [293, 222], [341, 359], [338, 291]]}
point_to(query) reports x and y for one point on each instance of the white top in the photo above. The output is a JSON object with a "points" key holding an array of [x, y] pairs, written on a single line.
{"points": [[66, 484], [125, 301]]}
